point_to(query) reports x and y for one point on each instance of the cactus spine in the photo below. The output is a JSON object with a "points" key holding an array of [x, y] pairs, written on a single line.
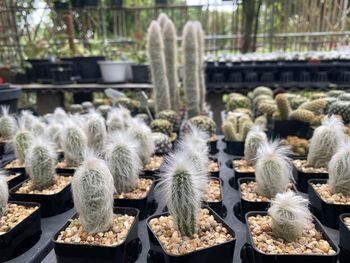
{"points": [[201, 77], [283, 106], [7, 124], [92, 188], [41, 163], [123, 161], [4, 194], [190, 67], [325, 141], [273, 170], [255, 138], [96, 132], [290, 216], [74, 145], [155, 50]]}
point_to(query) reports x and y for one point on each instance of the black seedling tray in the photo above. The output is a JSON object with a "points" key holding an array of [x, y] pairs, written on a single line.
{"points": [[127, 251], [146, 205], [16, 180], [250, 254], [344, 240], [50, 204], [234, 148], [23, 236], [213, 149], [237, 175], [302, 178], [222, 253], [13, 170], [327, 213], [282, 129], [215, 174]]}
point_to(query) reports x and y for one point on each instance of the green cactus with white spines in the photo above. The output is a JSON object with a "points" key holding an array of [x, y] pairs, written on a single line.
{"points": [[117, 119], [170, 116], [53, 131], [262, 91], [182, 187], [4, 194], [344, 97], [161, 142], [38, 127], [104, 110], [290, 216], [302, 115], [27, 118], [93, 189], [339, 171], [190, 68], [7, 124], [236, 102], [40, 163], [155, 50], [75, 108], [96, 132], [163, 126], [162, 19], [325, 142], [341, 108], [123, 161], [255, 138], [283, 106], [296, 101], [21, 142], [201, 75], [204, 123], [314, 105], [170, 55], [267, 108], [235, 127], [273, 170]]}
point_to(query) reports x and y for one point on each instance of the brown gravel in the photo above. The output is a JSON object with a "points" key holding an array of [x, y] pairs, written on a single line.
{"points": [[347, 221], [249, 192], [242, 166], [213, 166], [143, 186], [213, 191], [14, 164], [264, 240], [209, 233], [154, 163], [14, 215], [63, 165], [60, 184], [213, 138], [74, 233], [325, 193], [11, 176], [301, 166]]}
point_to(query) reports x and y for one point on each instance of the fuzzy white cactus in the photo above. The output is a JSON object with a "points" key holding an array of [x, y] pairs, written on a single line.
{"points": [[21, 141], [27, 118], [118, 119], [60, 114], [53, 132], [162, 19], [201, 76], [93, 189], [96, 132], [7, 124], [4, 193], [38, 127], [273, 170], [290, 216], [255, 138]]}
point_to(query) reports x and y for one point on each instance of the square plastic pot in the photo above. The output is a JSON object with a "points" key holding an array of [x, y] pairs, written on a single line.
{"points": [[140, 73], [51, 205], [327, 213], [233, 181], [222, 253], [21, 237], [234, 148], [88, 68], [84, 253], [302, 179], [249, 253], [344, 240]]}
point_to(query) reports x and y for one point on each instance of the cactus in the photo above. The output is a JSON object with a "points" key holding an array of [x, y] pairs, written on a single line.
{"points": [[289, 216], [302, 115], [123, 161], [262, 91], [170, 52], [190, 68], [162, 19], [261, 120], [325, 141], [204, 123], [238, 102], [155, 48], [74, 144], [7, 124], [163, 126], [283, 106], [296, 101], [40, 162], [182, 187], [92, 188], [4, 194], [96, 132], [127, 103], [314, 105], [38, 127], [54, 133], [161, 142], [21, 142], [341, 108], [344, 97], [75, 108], [267, 108], [87, 105], [335, 93], [201, 76], [255, 138], [104, 110], [170, 116], [273, 169], [339, 171], [235, 129], [27, 118], [118, 118]]}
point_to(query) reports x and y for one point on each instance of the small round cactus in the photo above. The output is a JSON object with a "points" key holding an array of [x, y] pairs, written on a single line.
{"points": [[96, 132], [290, 216], [163, 126], [4, 194], [170, 116], [40, 163], [161, 142], [92, 188], [255, 138], [262, 91], [204, 123], [7, 124]]}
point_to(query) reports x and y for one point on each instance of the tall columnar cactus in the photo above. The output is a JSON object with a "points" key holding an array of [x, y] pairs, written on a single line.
{"points": [[283, 106], [182, 187], [123, 161], [273, 169], [256, 137], [190, 68], [92, 188], [290, 216], [74, 144], [21, 141], [339, 170], [4, 194], [7, 124], [201, 53], [170, 55], [40, 163], [162, 19], [155, 48], [325, 141], [96, 132]]}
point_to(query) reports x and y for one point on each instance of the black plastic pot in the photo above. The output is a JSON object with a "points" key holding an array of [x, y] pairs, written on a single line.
{"points": [[50, 204], [233, 181], [146, 205], [61, 75], [250, 254], [215, 174], [326, 212], [9, 97], [222, 253], [88, 69], [77, 3], [282, 129], [140, 73], [127, 251], [234, 148], [302, 179], [344, 240], [41, 70], [21, 237], [213, 149], [16, 180]]}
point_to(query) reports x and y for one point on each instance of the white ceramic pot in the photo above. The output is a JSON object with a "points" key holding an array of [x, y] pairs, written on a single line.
{"points": [[114, 71]]}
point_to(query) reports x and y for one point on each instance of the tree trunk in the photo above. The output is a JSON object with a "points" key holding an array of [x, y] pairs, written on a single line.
{"points": [[248, 24]]}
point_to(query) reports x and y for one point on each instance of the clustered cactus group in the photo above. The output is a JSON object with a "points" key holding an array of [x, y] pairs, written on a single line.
{"points": [[236, 126]]}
